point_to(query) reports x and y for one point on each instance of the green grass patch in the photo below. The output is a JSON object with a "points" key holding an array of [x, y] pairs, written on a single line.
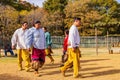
{"points": [[8, 59]]}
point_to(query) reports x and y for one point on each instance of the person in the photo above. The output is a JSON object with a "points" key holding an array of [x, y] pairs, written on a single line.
{"points": [[36, 40], [8, 49], [48, 49], [18, 40], [65, 45], [73, 49]]}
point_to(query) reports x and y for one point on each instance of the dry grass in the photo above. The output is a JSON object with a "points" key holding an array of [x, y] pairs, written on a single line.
{"points": [[102, 67]]}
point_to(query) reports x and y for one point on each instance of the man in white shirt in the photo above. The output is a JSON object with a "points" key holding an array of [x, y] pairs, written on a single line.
{"points": [[73, 49], [18, 40]]}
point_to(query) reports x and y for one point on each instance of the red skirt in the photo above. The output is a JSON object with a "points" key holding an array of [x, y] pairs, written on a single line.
{"points": [[38, 54]]}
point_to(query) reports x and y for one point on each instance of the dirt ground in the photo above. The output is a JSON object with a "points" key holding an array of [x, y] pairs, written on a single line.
{"points": [[93, 67]]}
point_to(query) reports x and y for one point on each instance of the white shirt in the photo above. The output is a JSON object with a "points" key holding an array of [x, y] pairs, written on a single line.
{"points": [[18, 38], [36, 38], [74, 38]]}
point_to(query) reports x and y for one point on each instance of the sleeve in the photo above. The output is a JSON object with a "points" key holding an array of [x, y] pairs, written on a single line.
{"points": [[44, 39], [72, 37], [65, 43], [29, 38], [14, 38], [49, 40]]}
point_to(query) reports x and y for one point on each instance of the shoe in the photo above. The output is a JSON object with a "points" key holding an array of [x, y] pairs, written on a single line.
{"points": [[20, 69], [75, 76], [52, 62], [27, 70], [63, 72], [5, 56], [36, 74], [61, 65]]}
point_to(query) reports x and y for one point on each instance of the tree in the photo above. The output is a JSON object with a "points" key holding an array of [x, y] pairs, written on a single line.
{"points": [[93, 13], [55, 8], [17, 5], [109, 9], [8, 22], [55, 5], [82, 9]]}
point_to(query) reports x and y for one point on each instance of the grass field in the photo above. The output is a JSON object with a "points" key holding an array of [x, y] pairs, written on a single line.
{"points": [[103, 66]]}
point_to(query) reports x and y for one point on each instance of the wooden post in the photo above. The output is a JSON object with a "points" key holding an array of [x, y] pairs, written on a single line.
{"points": [[0, 52], [96, 40], [107, 40]]}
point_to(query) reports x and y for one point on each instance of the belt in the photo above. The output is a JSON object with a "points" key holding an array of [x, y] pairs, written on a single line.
{"points": [[76, 47], [75, 44]]}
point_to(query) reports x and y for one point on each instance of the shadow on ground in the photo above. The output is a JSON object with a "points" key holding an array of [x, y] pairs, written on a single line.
{"points": [[102, 73], [11, 77], [84, 61]]}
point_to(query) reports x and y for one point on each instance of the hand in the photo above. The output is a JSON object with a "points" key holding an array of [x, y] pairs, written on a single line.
{"points": [[13, 47], [49, 47], [29, 49], [73, 49]]}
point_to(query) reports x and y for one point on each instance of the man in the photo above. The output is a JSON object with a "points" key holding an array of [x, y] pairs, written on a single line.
{"points": [[36, 40], [8, 49], [18, 39], [73, 49], [48, 49]]}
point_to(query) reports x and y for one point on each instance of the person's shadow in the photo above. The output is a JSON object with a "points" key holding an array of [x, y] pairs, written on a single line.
{"points": [[102, 73], [11, 77]]}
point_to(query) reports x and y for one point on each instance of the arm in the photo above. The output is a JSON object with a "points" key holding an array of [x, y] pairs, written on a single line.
{"points": [[65, 43], [49, 40], [29, 39], [14, 39], [72, 36], [44, 39]]}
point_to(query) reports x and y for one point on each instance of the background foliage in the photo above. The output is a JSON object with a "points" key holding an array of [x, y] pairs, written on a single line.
{"points": [[58, 15]]}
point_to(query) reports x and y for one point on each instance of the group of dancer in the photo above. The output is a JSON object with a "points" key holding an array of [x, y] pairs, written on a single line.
{"points": [[37, 41]]}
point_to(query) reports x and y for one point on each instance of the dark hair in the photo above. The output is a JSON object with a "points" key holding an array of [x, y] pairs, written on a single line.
{"points": [[24, 22], [67, 32], [76, 18], [37, 22], [45, 28]]}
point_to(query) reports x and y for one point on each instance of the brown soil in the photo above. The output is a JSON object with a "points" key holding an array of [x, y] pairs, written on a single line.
{"points": [[102, 67]]}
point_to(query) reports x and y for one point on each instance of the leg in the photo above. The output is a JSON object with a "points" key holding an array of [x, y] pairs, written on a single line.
{"points": [[68, 63], [19, 59], [5, 52], [11, 52], [35, 66], [51, 58], [26, 58], [47, 51], [42, 58], [63, 56], [76, 63]]}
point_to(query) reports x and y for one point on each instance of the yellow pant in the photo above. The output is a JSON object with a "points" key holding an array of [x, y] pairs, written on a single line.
{"points": [[48, 53], [73, 59], [23, 54]]}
